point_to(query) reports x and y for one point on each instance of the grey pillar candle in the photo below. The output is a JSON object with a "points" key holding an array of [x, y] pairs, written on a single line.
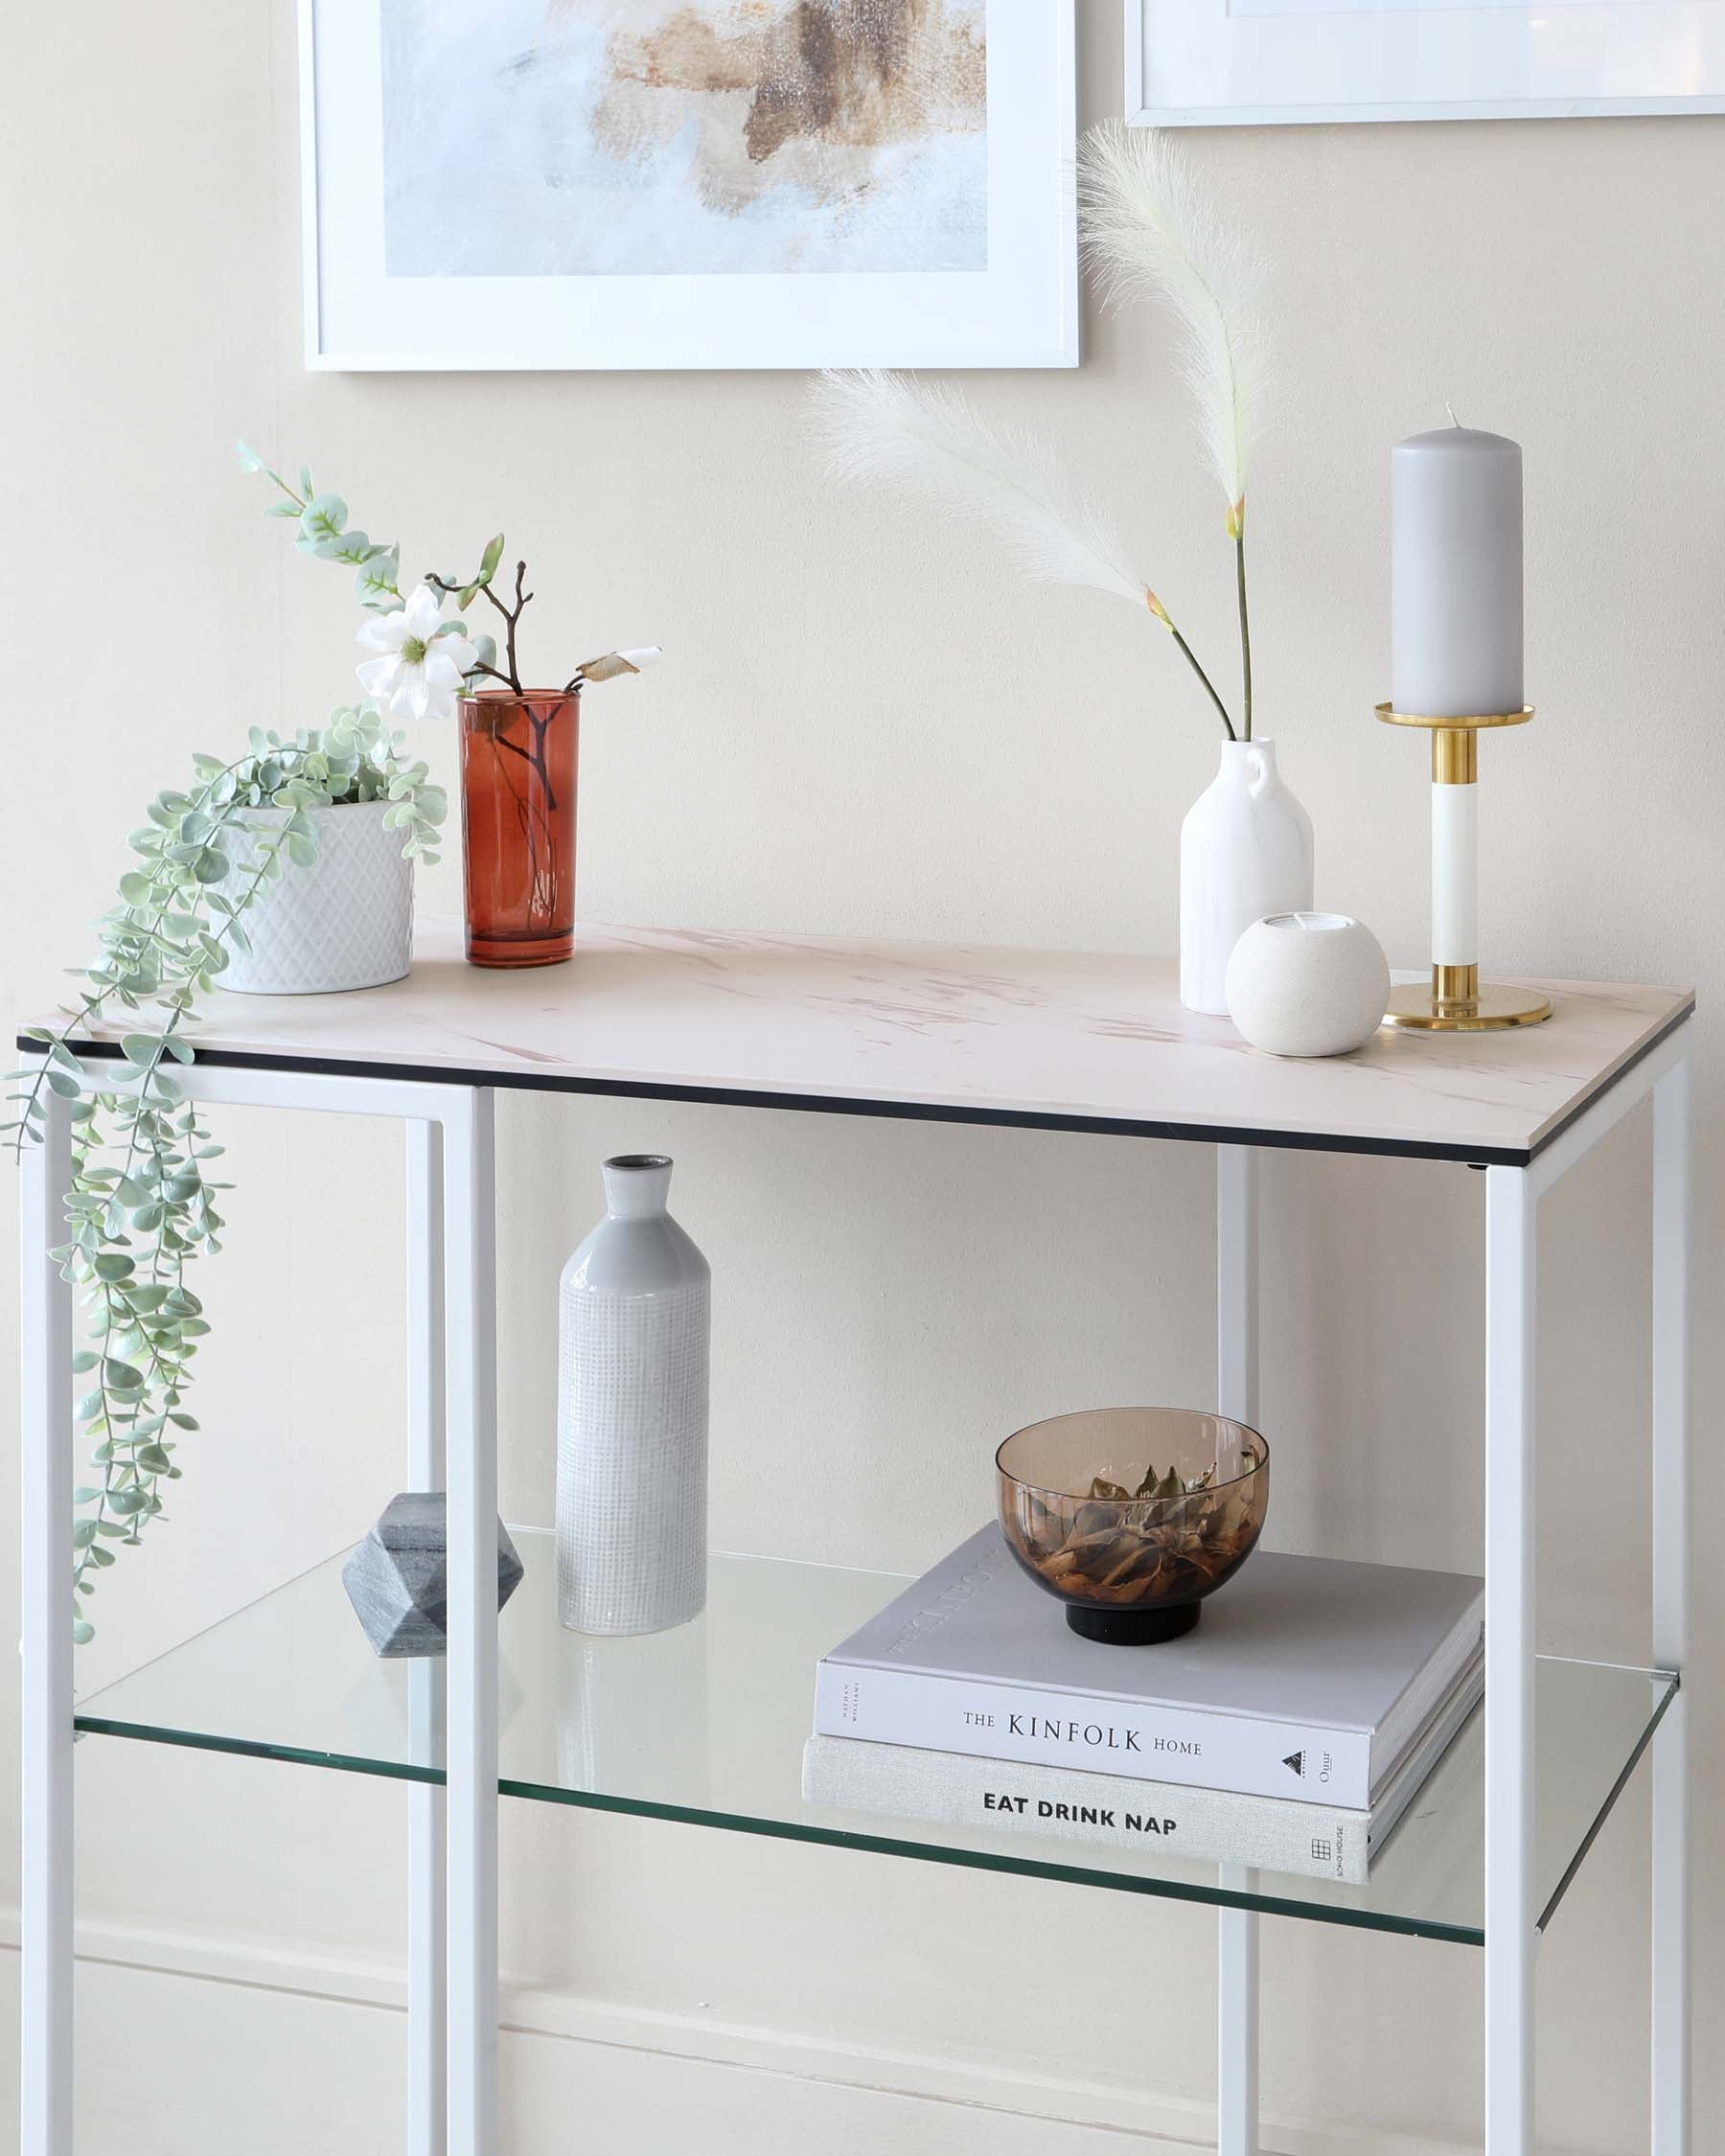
{"points": [[1456, 574]]}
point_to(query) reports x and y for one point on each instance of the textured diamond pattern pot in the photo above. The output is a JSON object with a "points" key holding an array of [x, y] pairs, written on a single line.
{"points": [[345, 923]]}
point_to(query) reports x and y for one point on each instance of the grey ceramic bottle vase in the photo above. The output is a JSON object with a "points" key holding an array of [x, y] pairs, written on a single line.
{"points": [[631, 1413]]}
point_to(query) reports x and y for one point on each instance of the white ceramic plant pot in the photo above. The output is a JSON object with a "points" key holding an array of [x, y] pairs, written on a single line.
{"points": [[1308, 984], [631, 1413], [1245, 851], [346, 922]]}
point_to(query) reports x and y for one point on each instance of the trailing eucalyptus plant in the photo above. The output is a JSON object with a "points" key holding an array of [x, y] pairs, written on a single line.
{"points": [[141, 1206]]}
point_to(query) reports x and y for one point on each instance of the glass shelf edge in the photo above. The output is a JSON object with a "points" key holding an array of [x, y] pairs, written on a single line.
{"points": [[1673, 1684], [923, 1852], [820, 1836], [247, 1748], [746, 1590]]}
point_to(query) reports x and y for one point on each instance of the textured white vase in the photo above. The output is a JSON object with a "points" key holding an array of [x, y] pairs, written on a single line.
{"points": [[1245, 851], [1308, 984], [631, 1413], [346, 922]]}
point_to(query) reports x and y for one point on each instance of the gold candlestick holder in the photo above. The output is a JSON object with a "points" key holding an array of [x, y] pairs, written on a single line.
{"points": [[1458, 1000]]}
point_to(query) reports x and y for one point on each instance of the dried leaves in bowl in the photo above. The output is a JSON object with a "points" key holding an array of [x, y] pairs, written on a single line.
{"points": [[1144, 1547]]}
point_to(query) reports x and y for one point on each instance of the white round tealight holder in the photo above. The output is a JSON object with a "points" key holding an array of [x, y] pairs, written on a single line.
{"points": [[1307, 984]]}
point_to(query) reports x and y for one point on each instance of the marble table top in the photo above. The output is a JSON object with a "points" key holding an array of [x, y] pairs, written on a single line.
{"points": [[1058, 1040]]}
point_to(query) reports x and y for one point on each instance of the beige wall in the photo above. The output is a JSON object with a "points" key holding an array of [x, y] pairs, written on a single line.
{"points": [[865, 725]]}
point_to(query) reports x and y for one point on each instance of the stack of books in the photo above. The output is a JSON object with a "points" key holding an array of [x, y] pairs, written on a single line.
{"points": [[1290, 1731]]}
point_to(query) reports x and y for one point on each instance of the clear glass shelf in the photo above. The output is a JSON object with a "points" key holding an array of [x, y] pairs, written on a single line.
{"points": [[707, 1725]]}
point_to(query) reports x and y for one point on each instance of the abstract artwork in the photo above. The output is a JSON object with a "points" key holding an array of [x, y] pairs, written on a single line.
{"points": [[689, 182], [691, 139]]}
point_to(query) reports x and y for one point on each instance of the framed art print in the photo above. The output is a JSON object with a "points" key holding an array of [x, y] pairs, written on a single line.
{"points": [[688, 183], [1193, 63]]}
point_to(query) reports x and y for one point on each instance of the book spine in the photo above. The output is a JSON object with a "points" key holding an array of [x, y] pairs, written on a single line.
{"points": [[1197, 1750], [1209, 1826]]}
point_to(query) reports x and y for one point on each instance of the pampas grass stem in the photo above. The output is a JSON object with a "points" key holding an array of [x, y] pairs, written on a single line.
{"points": [[881, 430], [1150, 234]]}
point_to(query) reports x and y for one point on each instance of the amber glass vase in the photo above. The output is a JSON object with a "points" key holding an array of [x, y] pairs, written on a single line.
{"points": [[517, 815]]}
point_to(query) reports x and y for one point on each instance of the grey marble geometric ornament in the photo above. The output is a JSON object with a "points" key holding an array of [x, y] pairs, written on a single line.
{"points": [[398, 1578]]}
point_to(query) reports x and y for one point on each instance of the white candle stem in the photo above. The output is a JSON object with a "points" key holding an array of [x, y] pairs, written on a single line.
{"points": [[1455, 875]]}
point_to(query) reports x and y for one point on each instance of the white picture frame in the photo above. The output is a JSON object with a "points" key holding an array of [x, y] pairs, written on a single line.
{"points": [[1224, 63], [1020, 310]]}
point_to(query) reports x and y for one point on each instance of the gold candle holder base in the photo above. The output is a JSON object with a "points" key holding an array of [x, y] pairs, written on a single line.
{"points": [[1457, 1000]]}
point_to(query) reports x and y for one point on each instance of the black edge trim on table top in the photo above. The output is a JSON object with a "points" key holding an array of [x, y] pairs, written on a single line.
{"points": [[1679, 1017], [912, 1111]]}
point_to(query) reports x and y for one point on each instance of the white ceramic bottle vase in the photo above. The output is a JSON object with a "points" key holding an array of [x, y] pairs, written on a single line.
{"points": [[1245, 851], [631, 1413]]}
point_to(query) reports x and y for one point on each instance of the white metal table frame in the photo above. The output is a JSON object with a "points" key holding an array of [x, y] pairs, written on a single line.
{"points": [[452, 1834]]}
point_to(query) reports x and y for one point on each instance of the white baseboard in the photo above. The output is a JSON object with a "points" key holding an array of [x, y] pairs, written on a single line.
{"points": [[966, 2103]]}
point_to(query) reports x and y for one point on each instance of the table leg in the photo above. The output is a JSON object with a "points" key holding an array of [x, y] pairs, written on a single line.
{"points": [[1237, 1395], [470, 1349], [426, 1901], [1671, 1229], [45, 2090], [1512, 1244]]}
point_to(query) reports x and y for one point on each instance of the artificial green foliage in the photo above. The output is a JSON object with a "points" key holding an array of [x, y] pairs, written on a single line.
{"points": [[141, 1206], [322, 534]]}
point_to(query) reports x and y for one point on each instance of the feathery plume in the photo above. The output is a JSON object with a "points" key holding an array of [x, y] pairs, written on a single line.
{"points": [[1150, 234], [880, 431]]}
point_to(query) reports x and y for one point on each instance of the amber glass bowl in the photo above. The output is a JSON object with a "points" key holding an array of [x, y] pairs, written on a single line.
{"points": [[1131, 1516]]}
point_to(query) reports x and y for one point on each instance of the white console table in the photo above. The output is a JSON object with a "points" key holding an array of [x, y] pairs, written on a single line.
{"points": [[1016, 1039]]}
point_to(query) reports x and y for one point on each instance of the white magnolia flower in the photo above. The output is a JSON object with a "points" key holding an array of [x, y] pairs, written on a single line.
{"points": [[418, 673]]}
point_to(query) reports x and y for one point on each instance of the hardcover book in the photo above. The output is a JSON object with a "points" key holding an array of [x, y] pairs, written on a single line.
{"points": [[1313, 1841], [1309, 1676]]}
